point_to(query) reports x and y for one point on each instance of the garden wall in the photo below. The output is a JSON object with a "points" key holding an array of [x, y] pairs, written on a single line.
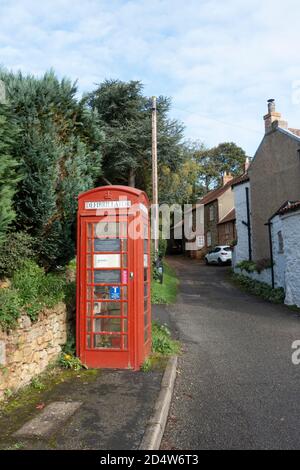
{"points": [[263, 276], [27, 350]]}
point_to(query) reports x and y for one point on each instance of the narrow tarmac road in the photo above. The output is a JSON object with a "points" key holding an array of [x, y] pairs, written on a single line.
{"points": [[237, 387]]}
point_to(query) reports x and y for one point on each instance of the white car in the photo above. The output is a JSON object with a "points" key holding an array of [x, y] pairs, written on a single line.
{"points": [[221, 254]]}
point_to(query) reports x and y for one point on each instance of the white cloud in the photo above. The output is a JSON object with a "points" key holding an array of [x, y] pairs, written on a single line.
{"points": [[219, 60]]}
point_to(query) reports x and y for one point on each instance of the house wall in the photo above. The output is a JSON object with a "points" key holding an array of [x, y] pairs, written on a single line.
{"points": [[226, 233], [264, 276], [225, 203], [278, 256], [211, 225], [291, 238], [241, 250], [274, 175]]}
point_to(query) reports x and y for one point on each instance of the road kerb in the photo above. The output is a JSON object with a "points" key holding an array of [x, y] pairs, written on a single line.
{"points": [[157, 423]]}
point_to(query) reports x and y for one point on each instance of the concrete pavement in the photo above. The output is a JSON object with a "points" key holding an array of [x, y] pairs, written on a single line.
{"points": [[237, 387]]}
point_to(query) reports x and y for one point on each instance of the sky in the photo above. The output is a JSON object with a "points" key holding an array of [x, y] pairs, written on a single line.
{"points": [[219, 60]]}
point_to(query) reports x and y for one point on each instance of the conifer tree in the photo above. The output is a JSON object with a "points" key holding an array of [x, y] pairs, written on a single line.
{"points": [[59, 152], [8, 169]]}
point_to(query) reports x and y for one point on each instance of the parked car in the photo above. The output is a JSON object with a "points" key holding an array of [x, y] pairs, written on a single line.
{"points": [[221, 254]]}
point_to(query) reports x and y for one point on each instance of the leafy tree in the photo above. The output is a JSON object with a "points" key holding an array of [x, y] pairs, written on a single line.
{"points": [[215, 161], [125, 114], [59, 151], [8, 169]]}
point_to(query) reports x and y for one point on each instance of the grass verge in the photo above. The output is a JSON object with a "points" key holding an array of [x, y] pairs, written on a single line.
{"points": [[163, 346], [166, 292]]}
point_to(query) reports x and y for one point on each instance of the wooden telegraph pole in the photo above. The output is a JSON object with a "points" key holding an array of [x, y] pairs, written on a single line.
{"points": [[154, 177]]}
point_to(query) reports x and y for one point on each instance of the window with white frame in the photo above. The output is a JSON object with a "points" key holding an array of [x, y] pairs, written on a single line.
{"points": [[211, 213]]}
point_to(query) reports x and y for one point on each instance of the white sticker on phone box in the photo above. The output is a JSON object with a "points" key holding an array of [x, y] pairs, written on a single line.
{"points": [[107, 261]]}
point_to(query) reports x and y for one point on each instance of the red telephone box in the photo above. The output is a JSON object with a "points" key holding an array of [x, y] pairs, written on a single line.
{"points": [[113, 278]]}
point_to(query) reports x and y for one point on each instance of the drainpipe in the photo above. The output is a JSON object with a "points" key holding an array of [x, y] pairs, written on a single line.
{"points": [[248, 224], [269, 224]]}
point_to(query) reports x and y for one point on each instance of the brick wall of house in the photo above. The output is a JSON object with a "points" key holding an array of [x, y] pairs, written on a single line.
{"points": [[227, 233]]}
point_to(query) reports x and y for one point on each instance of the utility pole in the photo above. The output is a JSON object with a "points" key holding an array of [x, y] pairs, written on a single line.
{"points": [[154, 178]]}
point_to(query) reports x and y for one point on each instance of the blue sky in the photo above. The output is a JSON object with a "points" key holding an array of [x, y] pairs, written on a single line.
{"points": [[219, 60]]}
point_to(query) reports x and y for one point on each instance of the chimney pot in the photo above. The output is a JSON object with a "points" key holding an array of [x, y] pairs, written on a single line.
{"points": [[271, 105]]}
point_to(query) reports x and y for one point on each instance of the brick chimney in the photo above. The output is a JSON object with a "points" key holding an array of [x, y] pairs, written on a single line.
{"points": [[227, 177], [273, 118]]}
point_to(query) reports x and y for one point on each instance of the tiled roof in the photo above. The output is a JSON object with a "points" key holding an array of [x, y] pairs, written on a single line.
{"points": [[216, 193], [229, 217], [242, 179], [295, 131], [289, 207]]}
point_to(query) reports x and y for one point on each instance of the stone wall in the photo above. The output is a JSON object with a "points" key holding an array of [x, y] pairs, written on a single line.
{"points": [[27, 350]]}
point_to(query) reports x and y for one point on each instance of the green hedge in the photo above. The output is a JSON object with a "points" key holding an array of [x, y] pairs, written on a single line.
{"points": [[32, 290]]}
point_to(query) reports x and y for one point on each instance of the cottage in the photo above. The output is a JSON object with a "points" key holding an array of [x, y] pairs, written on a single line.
{"points": [[274, 176]]}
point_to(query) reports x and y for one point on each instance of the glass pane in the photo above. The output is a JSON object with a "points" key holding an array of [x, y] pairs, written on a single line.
{"points": [[145, 274], [146, 304], [145, 318], [146, 335], [89, 245], [107, 341], [108, 276], [89, 230], [89, 292], [107, 229], [145, 231], [124, 261], [124, 293], [124, 245], [101, 292], [125, 326], [145, 246], [145, 290], [107, 324], [89, 277], [107, 308], [88, 261], [88, 325], [125, 342], [88, 341], [113, 244], [125, 309], [123, 229]]}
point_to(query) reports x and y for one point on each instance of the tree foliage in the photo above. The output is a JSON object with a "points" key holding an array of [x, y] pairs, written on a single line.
{"points": [[59, 153], [215, 161], [8, 169], [125, 114]]}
